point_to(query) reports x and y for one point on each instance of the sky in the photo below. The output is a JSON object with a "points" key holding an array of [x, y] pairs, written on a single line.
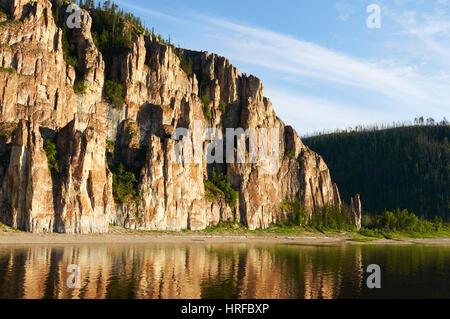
{"points": [[321, 65]]}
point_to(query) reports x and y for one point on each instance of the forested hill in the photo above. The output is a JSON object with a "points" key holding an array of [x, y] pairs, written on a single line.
{"points": [[402, 167]]}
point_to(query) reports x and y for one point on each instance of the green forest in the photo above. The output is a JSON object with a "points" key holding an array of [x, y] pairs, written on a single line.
{"points": [[405, 167]]}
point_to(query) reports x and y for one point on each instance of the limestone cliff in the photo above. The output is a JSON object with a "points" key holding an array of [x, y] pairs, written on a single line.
{"points": [[36, 91]]}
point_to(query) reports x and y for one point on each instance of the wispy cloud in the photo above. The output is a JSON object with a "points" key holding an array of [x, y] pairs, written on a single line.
{"points": [[289, 55], [432, 30], [309, 113], [385, 88], [150, 12]]}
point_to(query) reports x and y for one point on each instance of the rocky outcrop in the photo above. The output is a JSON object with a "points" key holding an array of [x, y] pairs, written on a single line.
{"points": [[35, 81], [160, 97], [296, 173], [84, 191], [27, 189], [76, 199], [356, 209]]}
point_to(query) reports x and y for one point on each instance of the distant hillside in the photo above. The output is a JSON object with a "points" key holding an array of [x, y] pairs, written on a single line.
{"points": [[403, 167]]}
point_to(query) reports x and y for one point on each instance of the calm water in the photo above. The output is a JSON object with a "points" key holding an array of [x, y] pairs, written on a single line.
{"points": [[223, 271]]}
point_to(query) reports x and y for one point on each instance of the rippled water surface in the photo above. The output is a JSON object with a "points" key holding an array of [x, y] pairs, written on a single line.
{"points": [[223, 271]]}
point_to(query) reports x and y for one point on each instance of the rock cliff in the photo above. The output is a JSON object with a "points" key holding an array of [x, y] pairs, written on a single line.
{"points": [[38, 107]]}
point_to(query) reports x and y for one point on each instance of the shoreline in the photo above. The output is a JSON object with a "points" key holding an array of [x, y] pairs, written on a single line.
{"points": [[12, 238]]}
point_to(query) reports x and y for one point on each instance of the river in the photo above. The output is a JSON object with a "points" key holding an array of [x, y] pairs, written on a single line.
{"points": [[179, 271]]}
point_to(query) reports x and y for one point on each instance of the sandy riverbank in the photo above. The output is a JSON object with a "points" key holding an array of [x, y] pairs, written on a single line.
{"points": [[121, 236]]}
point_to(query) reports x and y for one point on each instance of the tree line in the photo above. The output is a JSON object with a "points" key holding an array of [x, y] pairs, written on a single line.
{"points": [[404, 167]]}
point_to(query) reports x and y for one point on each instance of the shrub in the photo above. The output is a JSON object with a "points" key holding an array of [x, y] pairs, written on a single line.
{"points": [[70, 60], [220, 186], [113, 93], [212, 192], [334, 217], [371, 233], [9, 70], [186, 64], [406, 221], [206, 108], [290, 153], [297, 211], [124, 185], [223, 107], [438, 223], [80, 87], [388, 220], [111, 145], [148, 60], [52, 157]]}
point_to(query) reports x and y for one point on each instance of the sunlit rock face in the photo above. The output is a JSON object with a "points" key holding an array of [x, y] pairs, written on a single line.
{"points": [[159, 98], [27, 190]]}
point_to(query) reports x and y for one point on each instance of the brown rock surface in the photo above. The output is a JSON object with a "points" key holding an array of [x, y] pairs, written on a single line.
{"points": [[26, 196], [356, 209], [160, 97]]}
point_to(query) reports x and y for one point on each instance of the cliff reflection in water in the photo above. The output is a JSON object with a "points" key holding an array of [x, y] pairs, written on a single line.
{"points": [[223, 271]]}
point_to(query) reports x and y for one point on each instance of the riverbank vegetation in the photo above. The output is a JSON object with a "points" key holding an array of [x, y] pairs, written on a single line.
{"points": [[235, 228], [6, 228], [332, 221]]}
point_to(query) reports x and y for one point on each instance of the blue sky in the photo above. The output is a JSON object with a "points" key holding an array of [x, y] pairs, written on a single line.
{"points": [[320, 64]]}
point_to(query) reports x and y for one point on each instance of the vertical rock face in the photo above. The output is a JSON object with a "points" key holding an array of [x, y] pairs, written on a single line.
{"points": [[356, 209], [77, 200], [160, 98], [84, 198], [173, 194], [36, 90], [296, 173], [40, 85], [27, 190]]}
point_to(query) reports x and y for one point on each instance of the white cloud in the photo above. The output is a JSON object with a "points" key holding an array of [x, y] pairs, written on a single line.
{"points": [[286, 54], [308, 113]]}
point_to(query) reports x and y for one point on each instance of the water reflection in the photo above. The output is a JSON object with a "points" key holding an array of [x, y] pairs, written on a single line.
{"points": [[223, 271]]}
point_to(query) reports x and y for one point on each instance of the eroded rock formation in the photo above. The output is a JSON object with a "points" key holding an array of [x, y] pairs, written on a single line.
{"points": [[356, 209], [36, 91]]}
